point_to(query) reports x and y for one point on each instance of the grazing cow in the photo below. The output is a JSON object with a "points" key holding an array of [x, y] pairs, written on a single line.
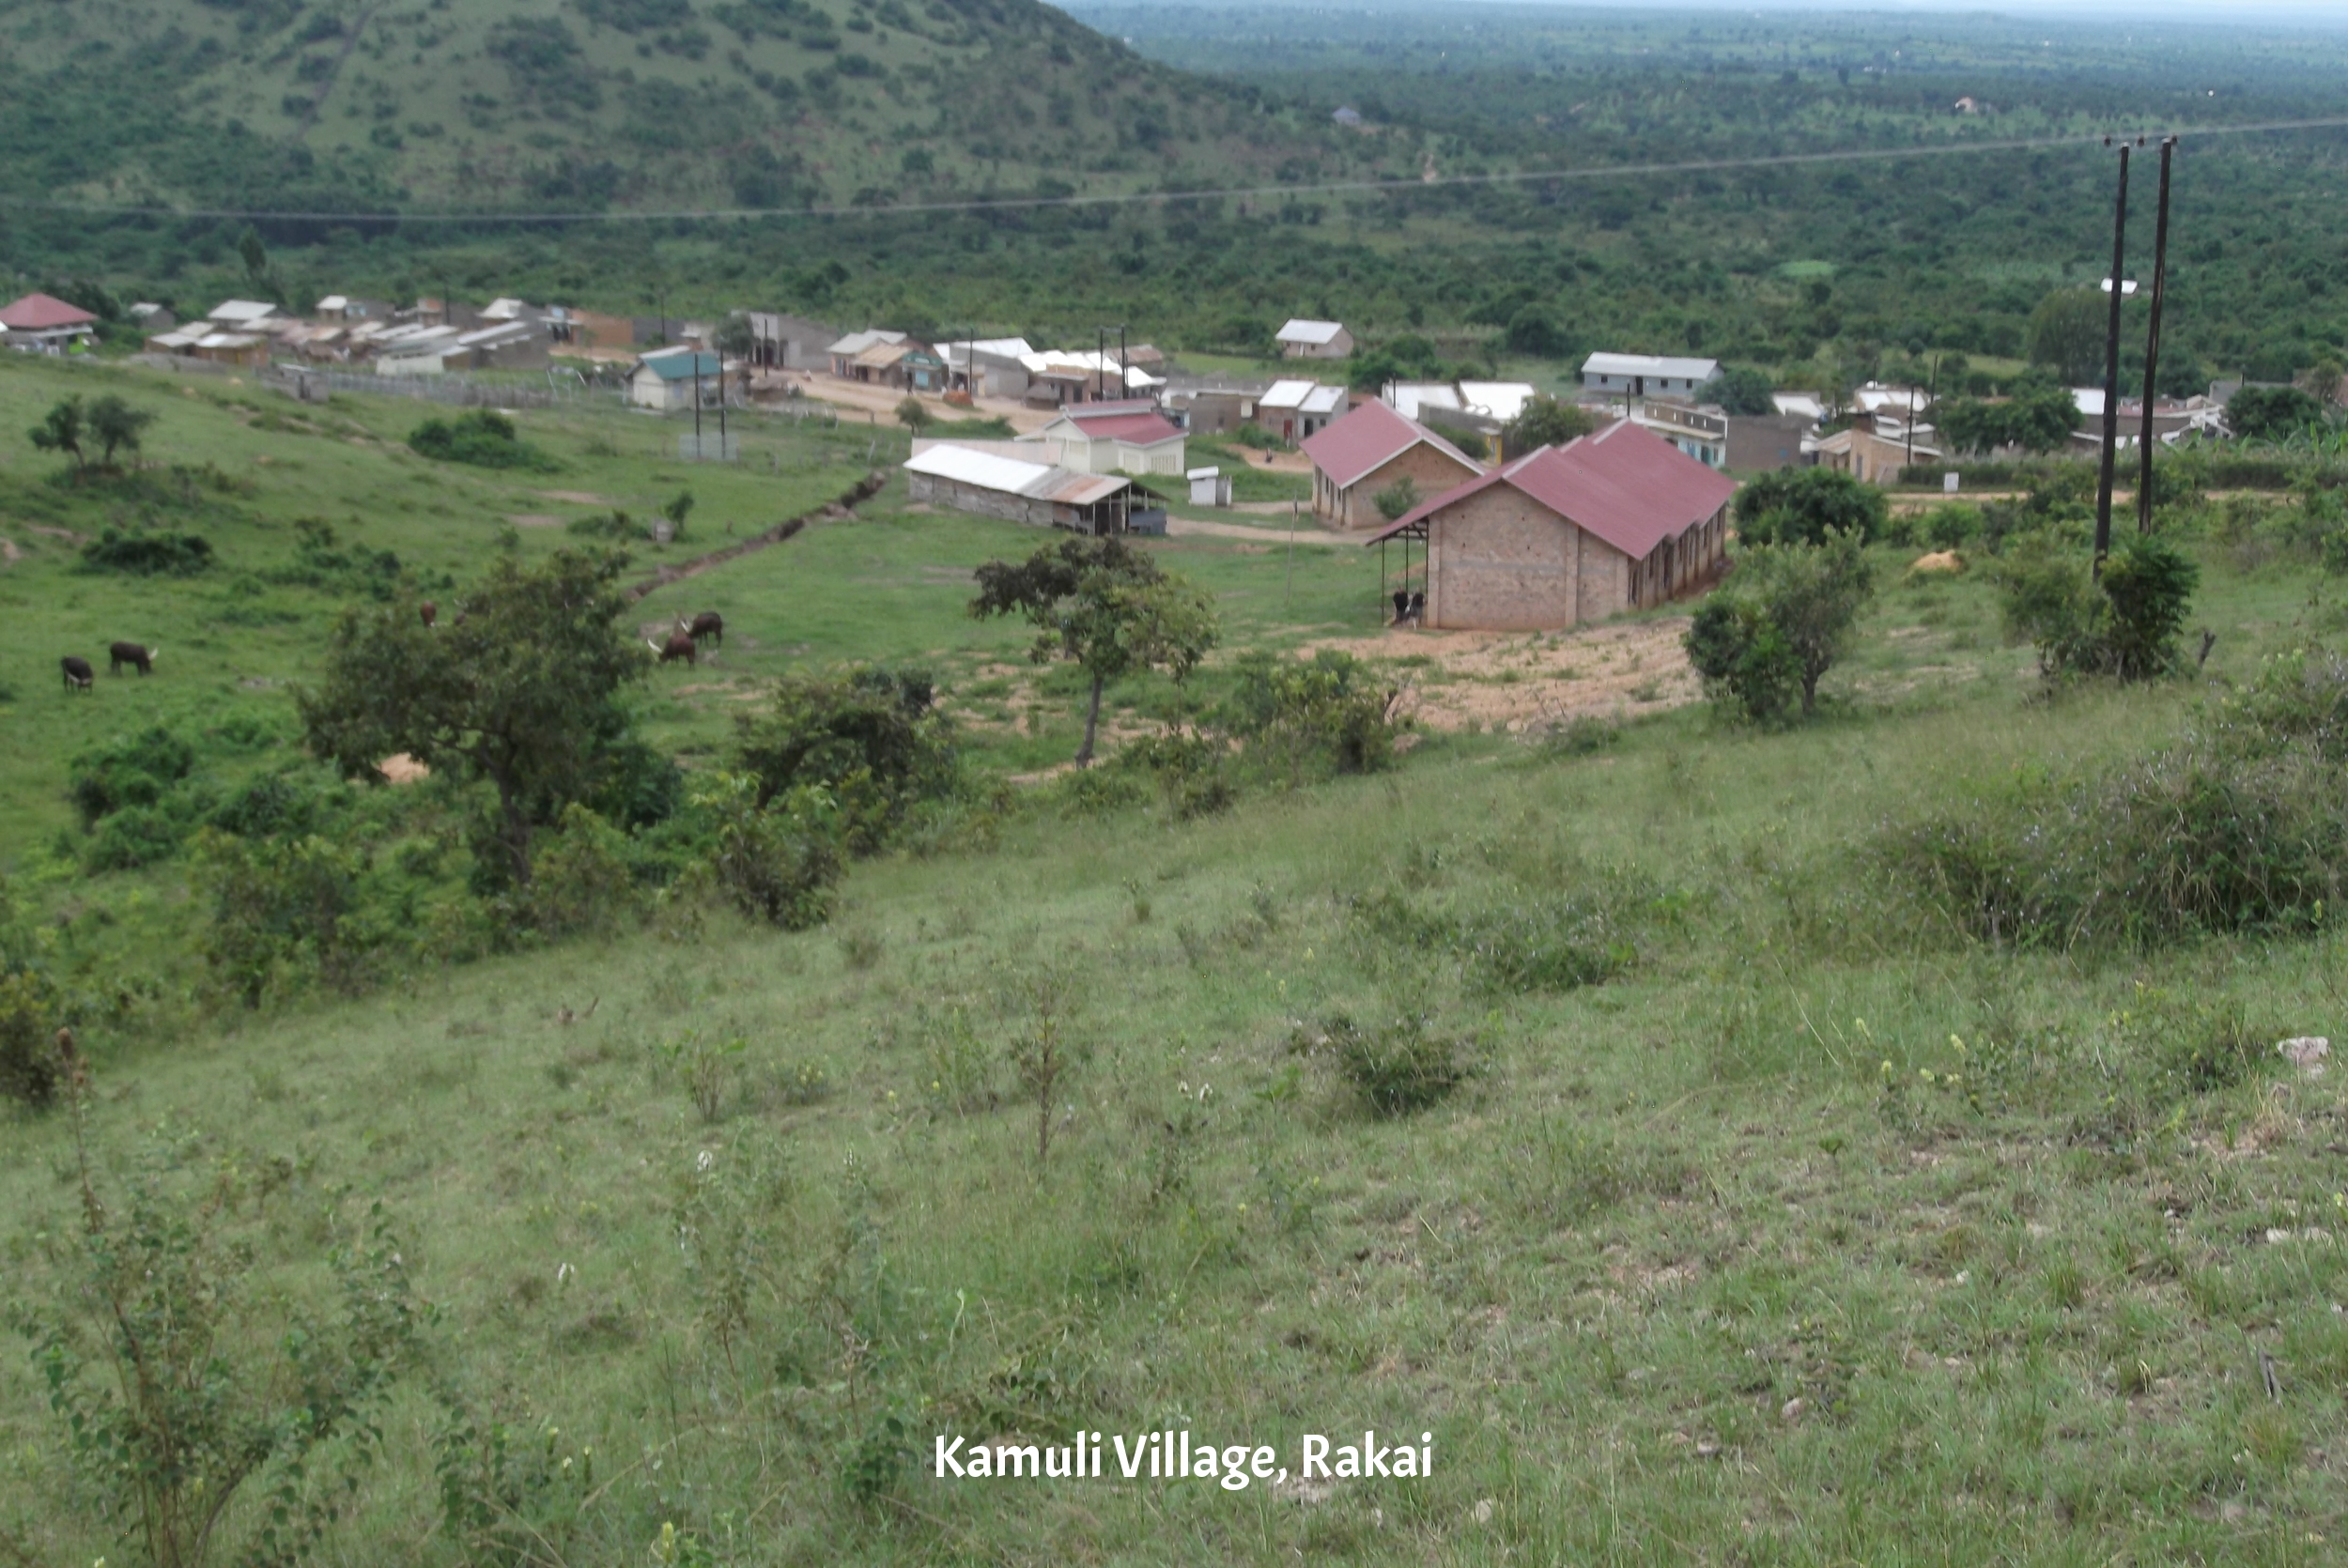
{"points": [[710, 625], [1401, 605], [1417, 609], [142, 659], [679, 646], [77, 672], [429, 611]]}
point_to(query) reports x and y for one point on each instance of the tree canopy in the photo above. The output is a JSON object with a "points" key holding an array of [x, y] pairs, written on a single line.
{"points": [[1545, 421], [1780, 623], [1744, 390], [520, 692], [1804, 506], [1108, 606], [2271, 413], [2038, 416], [2067, 334]]}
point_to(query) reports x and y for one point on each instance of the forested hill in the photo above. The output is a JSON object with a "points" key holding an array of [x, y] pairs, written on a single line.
{"points": [[591, 104]]}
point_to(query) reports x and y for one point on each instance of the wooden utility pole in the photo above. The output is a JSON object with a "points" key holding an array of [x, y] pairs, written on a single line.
{"points": [[2152, 346], [2111, 367]]}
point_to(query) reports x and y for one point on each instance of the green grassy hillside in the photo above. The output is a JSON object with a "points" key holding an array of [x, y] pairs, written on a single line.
{"points": [[587, 105]]}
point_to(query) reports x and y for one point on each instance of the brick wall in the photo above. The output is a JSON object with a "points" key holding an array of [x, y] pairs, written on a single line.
{"points": [[1356, 505], [1500, 560]]}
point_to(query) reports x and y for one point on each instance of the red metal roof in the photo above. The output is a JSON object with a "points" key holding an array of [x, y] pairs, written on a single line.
{"points": [[1137, 422], [1370, 438], [42, 312], [1628, 487]]}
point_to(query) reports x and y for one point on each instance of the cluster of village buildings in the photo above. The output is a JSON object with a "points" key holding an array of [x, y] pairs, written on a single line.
{"points": [[1631, 515]]}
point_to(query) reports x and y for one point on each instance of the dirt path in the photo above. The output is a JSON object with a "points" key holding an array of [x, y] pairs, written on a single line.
{"points": [[865, 489], [1186, 527], [1520, 680]]}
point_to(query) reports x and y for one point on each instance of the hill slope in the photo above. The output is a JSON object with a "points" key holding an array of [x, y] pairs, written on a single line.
{"points": [[572, 104]]}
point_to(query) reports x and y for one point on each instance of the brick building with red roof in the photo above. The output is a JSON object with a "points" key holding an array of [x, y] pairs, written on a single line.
{"points": [[45, 323], [1371, 449], [1616, 520]]}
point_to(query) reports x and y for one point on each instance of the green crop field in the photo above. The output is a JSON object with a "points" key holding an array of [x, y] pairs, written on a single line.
{"points": [[1758, 1206]]}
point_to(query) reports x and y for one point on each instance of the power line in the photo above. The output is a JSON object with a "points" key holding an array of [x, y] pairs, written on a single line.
{"points": [[1133, 198]]}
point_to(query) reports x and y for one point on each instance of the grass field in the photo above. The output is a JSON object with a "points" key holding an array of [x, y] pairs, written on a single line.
{"points": [[1804, 1233]]}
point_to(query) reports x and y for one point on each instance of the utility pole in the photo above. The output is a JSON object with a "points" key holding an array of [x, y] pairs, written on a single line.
{"points": [[722, 405], [1099, 352], [697, 404], [2152, 346], [2111, 368], [1124, 384]]}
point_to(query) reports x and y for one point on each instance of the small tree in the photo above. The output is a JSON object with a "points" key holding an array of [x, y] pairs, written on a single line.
{"points": [[2262, 413], [1781, 623], [61, 430], [1045, 1050], [2038, 416], [914, 414], [521, 693], [676, 509], [735, 337], [2126, 623], [1396, 499], [1803, 506], [117, 427], [1744, 390], [1545, 422], [1104, 604], [2066, 333]]}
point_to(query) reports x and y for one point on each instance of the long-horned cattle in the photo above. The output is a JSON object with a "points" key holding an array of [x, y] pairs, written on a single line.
{"points": [[679, 646], [77, 671], [710, 625], [429, 611], [137, 655]]}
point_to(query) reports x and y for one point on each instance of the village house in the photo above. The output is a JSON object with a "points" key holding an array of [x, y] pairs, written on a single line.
{"points": [[843, 352], [887, 359], [44, 324], [1314, 340], [1060, 376], [147, 316], [1371, 449], [1128, 437], [1297, 410], [1213, 405], [1613, 521], [987, 367], [1873, 447], [670, 381], [1636, 375], [1742, 443], [983, 478], [781, 342], [198, 341]]}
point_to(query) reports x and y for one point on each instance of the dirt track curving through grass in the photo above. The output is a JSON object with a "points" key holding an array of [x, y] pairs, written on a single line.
{"points": [[845, 505]]}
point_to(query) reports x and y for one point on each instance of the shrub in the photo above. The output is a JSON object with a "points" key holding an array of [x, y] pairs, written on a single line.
{"points": [[1398, 1067], [1544, 421], [1396, 501], [1329, 711], [320, 561], [2125, 625], [178, 1411], [871, 737], [1189, 765], [139, 770], [1780, 623], [2272, 413], [31, 1069], [914, 414], [580, 881], [776, 863], [1803, 506], [281, 914], [482, 438], [134, 836], [273, 804], [159, 553]]}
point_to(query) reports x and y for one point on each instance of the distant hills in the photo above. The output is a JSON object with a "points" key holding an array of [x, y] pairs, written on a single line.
{"points": [[474, 105]]}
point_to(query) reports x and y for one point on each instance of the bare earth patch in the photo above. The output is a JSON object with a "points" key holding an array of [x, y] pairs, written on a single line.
{"points": [[1519, 681], [578, 498], [400, 768], [533, 520]]}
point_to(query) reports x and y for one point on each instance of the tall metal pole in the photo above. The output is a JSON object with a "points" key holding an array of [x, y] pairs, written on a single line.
{"points": [[2111, 368], [697, 404], [721, 405], [2152, 346], [1099, 352]]}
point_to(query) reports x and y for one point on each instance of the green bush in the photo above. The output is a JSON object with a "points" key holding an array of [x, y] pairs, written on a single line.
{"points": [[1328, 714], [1190, 766], [139, 770], [1803, 506], [871, 737], [160, 553], [280, 914], [776, 862], [1398, 1067], [580, 881], [134, 836], [1781, 621], [31, 1069], [2126, 625], [482, 438]]}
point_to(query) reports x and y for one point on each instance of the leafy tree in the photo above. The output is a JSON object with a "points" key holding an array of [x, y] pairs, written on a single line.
{"points": [[1545, 422], [2126, 625], [1805, 506], [2067, 333], [484, 438], [2039, 416], [2149, 583], [676, 509], [1744, 390], [117, 427], [872, 737], [734, 339], [522, 692], [61, 430], [1396, 499], [2265, 413], [255, 253], [1104, 604], [1535, 329], [914, 414], [1780, 622]]}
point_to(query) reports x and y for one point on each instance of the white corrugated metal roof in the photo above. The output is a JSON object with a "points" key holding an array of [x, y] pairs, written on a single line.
{"points": [[241, 311], [1502, 400], [1317, 333], [982, 469], [1287, 395], [1661, 367], [1408, 398], [857, 343]]}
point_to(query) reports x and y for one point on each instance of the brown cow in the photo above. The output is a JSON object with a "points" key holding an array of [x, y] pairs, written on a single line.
{"points": [[429, 611], [140, 658], [679, 646], [77, 672], [710, 625]]}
